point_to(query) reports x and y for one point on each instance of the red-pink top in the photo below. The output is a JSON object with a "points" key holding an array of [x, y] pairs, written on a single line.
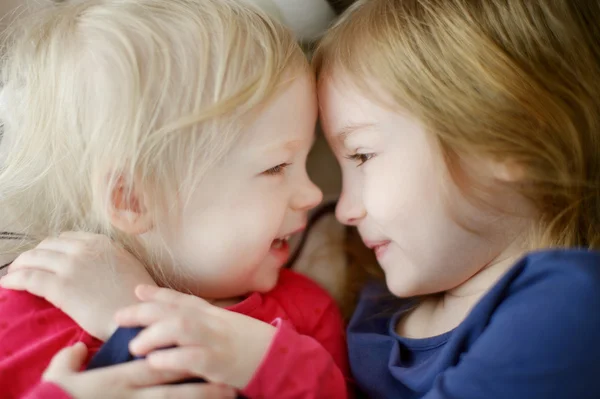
{"points": [[307, 358]]}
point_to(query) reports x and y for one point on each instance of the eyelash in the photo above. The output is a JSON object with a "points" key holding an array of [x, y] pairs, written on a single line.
{"points": [[276, 170], [360, 158]]}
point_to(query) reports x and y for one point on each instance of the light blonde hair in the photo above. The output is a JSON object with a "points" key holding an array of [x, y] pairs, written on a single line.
{"points": [[152, 93], [512, 80]]}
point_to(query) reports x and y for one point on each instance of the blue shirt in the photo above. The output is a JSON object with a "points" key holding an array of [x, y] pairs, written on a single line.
{"points": [[534, 335]]}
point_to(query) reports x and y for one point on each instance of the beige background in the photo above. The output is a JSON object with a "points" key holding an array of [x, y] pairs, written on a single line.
{"points": [[7, 7]]}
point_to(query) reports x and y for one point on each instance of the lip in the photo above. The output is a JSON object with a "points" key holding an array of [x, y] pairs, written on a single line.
{"points": [[379, 247], [373, 244], [282, 253], [299, 230]]}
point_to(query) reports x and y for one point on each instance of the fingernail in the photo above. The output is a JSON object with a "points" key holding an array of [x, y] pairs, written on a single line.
{"points": [[143, 291], [79, 345], [133, 346]]}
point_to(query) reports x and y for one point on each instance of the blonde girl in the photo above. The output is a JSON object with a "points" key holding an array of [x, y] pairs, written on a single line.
{"points": [[178, 130]]}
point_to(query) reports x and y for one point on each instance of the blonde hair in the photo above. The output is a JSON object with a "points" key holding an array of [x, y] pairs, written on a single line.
{"points": [[512, 80], [152, 93]]}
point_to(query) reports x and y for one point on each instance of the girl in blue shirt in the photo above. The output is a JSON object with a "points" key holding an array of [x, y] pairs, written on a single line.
{"points": [[468, 133]]}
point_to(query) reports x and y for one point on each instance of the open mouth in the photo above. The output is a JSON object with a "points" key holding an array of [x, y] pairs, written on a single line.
{"points": [[280, 243]]}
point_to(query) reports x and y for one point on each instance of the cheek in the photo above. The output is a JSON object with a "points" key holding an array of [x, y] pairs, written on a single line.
{"points": [[398, 188], [386, 191], [380, 196]]}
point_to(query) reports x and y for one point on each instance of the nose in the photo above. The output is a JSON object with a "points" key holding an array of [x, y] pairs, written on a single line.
{"points": [[350, 209], [307, 196]]}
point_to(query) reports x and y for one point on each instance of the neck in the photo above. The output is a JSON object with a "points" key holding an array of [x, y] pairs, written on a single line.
{"points": [[455, 304], [441, 313], [480, 283], [225, 303]]}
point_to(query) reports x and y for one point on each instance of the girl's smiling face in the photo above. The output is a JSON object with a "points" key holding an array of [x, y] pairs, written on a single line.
{"points": [[397, 191], [228, 239]]}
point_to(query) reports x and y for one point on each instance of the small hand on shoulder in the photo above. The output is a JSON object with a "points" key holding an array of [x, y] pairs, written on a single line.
{"points": [[87, 276]]}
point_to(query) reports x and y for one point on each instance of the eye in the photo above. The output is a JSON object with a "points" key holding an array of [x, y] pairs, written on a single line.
{"points": [[276, 170], [360, 158]]}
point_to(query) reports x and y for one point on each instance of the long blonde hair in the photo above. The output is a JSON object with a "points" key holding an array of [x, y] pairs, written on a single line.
{"points": [[151, 92], [514, 80]]}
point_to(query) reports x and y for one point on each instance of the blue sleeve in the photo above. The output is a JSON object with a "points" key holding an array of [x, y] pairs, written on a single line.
{"points": [[543, 340]]}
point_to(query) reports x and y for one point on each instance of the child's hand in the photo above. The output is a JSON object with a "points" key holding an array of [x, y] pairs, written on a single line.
{"points": [[213, 343], [87, 276], [130, 380]]}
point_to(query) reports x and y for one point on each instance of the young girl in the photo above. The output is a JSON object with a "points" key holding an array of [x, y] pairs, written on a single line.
{"points": [[180, 130], [468, 134]]}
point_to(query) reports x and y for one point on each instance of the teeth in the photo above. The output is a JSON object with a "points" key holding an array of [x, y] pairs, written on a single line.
{"points": [[278, 242]]}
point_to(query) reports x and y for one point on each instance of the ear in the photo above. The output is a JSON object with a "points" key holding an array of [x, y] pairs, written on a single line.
{"points": [[128, 210], [508, 171]]}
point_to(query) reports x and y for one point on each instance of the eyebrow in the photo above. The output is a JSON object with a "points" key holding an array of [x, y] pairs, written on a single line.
{"points": [[346, 131]]}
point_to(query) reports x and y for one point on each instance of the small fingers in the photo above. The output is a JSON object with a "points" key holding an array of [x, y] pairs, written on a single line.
{"points": [[139, 374], [78, 244], [168, 296], [60, 244], [188, 359], [169, 332], [67, 360], [39, 258], [144, 314], [38, 282]]}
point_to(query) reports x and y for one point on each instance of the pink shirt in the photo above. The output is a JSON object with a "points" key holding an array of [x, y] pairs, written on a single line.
{"points": [[307, 358]]}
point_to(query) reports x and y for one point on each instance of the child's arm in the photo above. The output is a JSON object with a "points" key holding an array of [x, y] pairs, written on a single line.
{"points": [[87, 276], [308, 358], [299, 366], [262, 360]]}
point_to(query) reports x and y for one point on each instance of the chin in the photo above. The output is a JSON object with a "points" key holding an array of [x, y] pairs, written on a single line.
{"points": [[401, 287]]}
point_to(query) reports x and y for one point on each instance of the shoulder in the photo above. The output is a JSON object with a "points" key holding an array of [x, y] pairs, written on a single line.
{"points": [[544, 311], [548, 287], [306, 303], [32, 331], [20, 303], [29, 320], [558, 276], [536, 334], [576, 265]]}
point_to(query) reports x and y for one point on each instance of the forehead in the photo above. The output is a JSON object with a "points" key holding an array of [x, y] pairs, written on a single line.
{"points": [[343, 108], [289, 117]]}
